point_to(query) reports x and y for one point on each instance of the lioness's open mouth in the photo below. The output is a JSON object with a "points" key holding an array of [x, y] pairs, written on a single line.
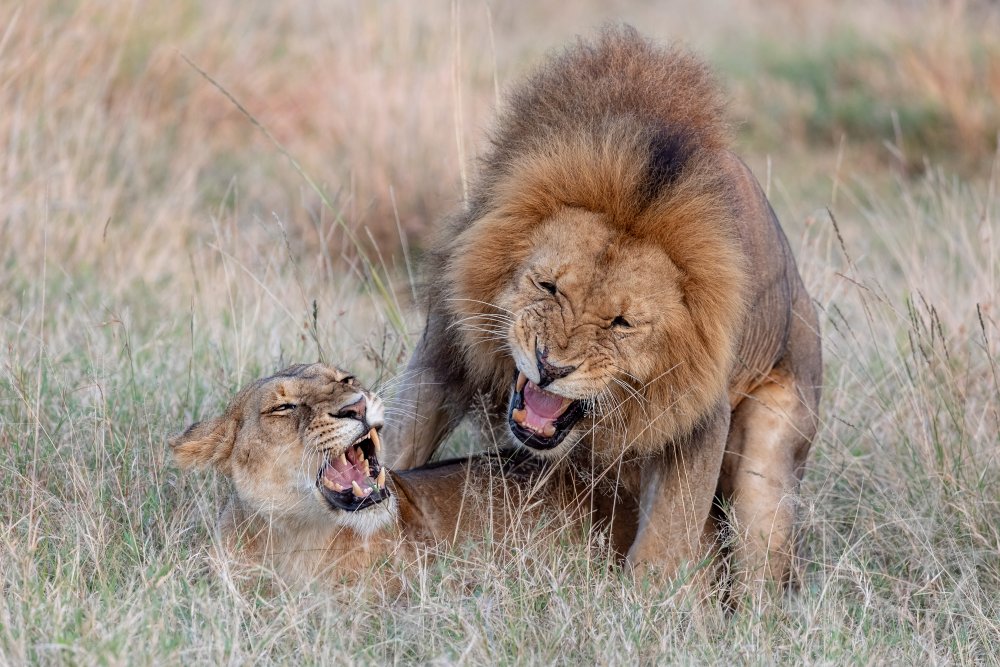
{"points": [[353, 479], [539, 418]]}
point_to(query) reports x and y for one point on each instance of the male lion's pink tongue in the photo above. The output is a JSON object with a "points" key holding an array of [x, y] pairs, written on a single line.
{"points": [[542, 408]]}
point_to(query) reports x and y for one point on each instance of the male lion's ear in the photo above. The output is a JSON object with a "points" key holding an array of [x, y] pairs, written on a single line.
{"points": [[205, 443]]}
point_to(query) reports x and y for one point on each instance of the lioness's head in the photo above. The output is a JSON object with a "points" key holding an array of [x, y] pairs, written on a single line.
{"points": [[302, 444], [605, 312]]}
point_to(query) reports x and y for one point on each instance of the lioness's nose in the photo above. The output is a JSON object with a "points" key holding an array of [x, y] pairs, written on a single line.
{"points": [[355, 410], [549, 373]]}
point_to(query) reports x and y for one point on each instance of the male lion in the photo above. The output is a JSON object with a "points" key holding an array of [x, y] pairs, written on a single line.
{"points": [[310, 497], [617, 289]]}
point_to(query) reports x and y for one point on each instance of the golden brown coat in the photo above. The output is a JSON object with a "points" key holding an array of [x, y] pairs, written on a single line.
{"points": [[616, 256], [277, 438]]}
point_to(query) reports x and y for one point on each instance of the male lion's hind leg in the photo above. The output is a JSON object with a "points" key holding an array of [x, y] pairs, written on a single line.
{"points": [[770, 434]]}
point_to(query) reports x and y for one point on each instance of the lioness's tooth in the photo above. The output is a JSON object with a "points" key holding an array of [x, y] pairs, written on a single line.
{"points": [[360, 455], [381, 478], [522, 380], [333, 486], [549, 430], [367, 469], [373, 434], [519, 415], [343, 457], [357, 490]]}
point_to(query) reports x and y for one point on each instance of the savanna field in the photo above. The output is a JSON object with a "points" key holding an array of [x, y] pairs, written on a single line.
{"points": [[196, 194]]}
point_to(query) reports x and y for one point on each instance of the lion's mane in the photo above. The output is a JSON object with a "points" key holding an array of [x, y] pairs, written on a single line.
{"points": [[635, 132]]}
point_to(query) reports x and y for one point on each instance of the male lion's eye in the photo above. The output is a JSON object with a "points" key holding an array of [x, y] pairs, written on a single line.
{"points": [[621, 322], [284, 407], [349, 380], [548, 286]]}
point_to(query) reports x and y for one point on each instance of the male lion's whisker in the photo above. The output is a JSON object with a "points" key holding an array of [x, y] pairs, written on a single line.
{"points": [[484, 332], [496, 319], [485, 303], [631, 391], [661, 375], [627, 374]]}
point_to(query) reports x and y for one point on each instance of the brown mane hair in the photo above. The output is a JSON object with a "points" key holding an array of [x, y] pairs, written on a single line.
{"points": [[643, 149]]}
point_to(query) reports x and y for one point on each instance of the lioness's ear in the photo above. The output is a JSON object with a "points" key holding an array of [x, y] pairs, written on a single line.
{"points": [[205, 443]]}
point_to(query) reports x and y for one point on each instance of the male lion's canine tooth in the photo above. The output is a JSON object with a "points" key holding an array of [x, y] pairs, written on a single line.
{"points": [[373, 434], [367, 468], [381, 479], [522, 380], [359, 455], [343, 457], [357, 489]]}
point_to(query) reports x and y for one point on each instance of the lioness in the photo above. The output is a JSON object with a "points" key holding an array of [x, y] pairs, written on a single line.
{"points": [[311, 498], [618, 289]]}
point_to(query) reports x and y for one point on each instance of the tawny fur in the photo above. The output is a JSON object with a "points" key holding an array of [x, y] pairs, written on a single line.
{"points": [[610, 175], [276, 517]]}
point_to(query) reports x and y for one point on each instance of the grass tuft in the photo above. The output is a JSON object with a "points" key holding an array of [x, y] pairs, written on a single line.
{"points": [[157, 251]]}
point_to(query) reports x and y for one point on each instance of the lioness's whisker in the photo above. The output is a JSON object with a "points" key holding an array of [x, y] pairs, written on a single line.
{"points": [[396, 380]]}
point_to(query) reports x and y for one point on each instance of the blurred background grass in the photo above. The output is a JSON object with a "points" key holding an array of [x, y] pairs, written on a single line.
{"points": [[384, 104], [157, 251]]}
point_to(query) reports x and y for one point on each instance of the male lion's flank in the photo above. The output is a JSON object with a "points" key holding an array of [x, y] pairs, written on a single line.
{"points": [[618, 291]]}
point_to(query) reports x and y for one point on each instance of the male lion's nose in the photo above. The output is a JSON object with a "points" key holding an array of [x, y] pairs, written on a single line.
{"points": [[355, 410], [549, 373]]}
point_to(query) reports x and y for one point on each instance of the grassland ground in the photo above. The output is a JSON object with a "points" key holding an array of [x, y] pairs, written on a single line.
{"points": [[157, 251]]}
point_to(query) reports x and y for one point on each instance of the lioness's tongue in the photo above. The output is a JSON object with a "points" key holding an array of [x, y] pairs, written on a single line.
{"points": [[541, 407], [343, 472]]}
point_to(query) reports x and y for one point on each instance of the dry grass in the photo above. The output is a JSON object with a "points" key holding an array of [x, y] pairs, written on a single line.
{"points": [[156, 252]]}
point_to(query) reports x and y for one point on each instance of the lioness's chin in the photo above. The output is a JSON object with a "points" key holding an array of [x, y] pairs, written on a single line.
{"points": [[372, 518], [541, 420]]}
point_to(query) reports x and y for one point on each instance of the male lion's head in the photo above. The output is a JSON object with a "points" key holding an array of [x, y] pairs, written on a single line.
{"points": [[302, 445], [589, 317], [606, 312]]}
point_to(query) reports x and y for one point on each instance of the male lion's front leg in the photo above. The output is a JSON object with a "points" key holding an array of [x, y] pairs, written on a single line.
{"points": [[431, 401], [676, 495]]}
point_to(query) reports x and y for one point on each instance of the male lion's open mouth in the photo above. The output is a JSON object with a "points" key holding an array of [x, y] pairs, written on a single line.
{"points": [[539, 418], [354, 479]]}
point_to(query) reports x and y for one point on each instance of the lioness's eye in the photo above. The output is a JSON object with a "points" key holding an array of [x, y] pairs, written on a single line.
{"points": [[349, 380], [548, 286], [621, 322], [284, 407]]}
